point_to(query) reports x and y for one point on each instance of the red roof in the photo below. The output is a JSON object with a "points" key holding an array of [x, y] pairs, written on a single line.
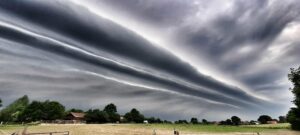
{"points": [[77, 115]]}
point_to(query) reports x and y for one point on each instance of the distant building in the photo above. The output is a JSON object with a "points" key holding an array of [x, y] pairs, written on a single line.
{"points": [[252, 122], [76, 117], [272, 122]]}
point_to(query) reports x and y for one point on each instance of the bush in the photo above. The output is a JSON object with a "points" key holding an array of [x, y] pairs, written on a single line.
{"points": [[293, 115]]}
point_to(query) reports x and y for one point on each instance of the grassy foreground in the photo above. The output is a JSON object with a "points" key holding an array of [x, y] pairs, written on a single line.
{"points": [[147, 129]]}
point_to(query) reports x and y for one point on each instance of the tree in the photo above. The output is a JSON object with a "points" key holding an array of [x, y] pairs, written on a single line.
{"points": [[155, 120], [194, 121], [293, 116], [96, 116], [282, 119], [134, 116], [0, 103], [167, 122], [252, 122], [113, 117], [181, 122], [151, 120], [47, 110], [75, 110], [204, 121], [236, 120], [111, 110], [228, 122], [264, 118], [13, 111], [53, 110], [33, 112]]}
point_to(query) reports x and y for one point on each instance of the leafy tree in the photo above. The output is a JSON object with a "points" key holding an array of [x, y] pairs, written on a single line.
{"points": [[204, 121], [167, 122], [134, 116], [158, 120], [293, 115], [13, 111], [194, 121], [53, 110], [111, 110], [96, 116], [75, 110], [252, 122], [113, 117], [264, 118], [155, 120], [228, 122], [0, 103], [236, 120], [47, 110], [33, 112], [181, 122], [151, 120], [282, 119]]}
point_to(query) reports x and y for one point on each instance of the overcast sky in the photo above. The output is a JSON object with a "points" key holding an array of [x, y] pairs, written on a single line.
{"points": [[172, 59]]}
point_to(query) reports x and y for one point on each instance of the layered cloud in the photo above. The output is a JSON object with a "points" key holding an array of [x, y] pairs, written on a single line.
{"points": [[171, 59]]}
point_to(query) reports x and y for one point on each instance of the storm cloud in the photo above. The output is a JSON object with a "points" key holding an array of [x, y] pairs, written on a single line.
{"points": [[194, 57]]}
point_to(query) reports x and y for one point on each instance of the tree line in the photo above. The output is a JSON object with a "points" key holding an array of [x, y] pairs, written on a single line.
{"points": [[22, 110]]}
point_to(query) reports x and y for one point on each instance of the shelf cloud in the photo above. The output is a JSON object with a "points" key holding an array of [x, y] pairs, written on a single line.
{"points": [[171, 59]]}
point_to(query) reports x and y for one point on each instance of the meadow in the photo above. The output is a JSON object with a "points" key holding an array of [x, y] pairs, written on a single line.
{"points": [[150, 129]]}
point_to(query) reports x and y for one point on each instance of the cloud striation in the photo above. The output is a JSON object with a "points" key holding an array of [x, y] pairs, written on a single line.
{"points": [[170, 59]]}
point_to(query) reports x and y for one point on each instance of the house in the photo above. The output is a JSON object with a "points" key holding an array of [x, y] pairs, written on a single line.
{"points": [[76, 117], [272, 122]]}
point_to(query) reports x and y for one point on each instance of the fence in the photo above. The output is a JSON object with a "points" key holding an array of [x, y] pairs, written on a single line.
{"points": [[24, 132], [50, 133]]}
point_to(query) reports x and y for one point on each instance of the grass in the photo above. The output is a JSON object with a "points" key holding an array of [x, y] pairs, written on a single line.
{"points": [[217, 128], [147, 129]]}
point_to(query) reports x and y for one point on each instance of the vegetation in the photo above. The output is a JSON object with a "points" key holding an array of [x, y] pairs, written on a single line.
{"points": [[263, 119], [75, 110], [293, 115], [22, 110], [47, 110], [236, 120], [111, 111], [134, 116], [0, 103], [204, 121], [282, 119], [96, 116], [13, 111], [194, 121]]}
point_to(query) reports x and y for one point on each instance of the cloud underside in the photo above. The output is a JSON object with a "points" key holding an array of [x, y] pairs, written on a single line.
{"points": [[62, 51]]}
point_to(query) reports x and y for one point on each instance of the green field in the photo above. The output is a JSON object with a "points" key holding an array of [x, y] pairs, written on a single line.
{"points": [[160, 129]]}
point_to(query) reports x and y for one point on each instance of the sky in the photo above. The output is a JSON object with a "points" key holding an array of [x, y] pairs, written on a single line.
{"points": [[171, 59]]}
